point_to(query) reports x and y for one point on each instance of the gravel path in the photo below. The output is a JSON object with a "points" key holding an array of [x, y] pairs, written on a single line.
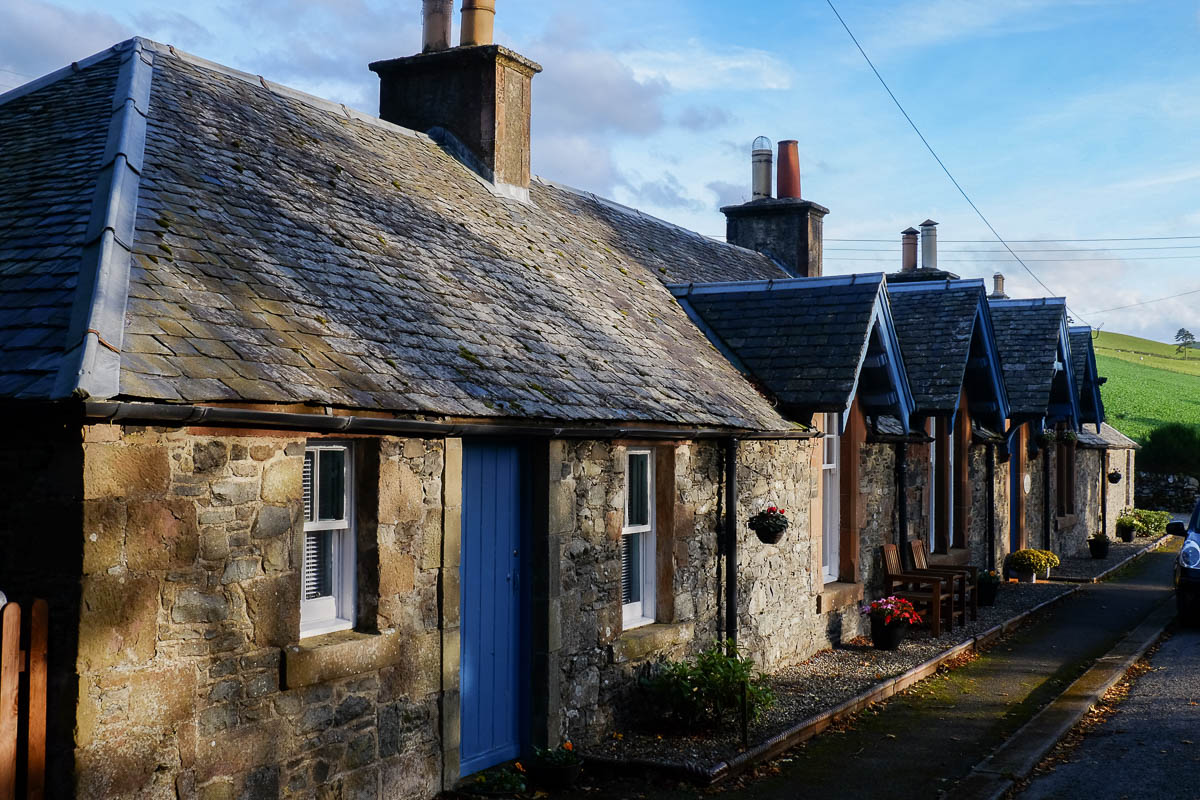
{"points": [[823, 682], [1088, 567]]}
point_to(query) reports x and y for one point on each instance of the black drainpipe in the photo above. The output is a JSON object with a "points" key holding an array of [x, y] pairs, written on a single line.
{"points": [[1104, 491], [731, 606], [902, 503], [1046, 498], [991, 506]]}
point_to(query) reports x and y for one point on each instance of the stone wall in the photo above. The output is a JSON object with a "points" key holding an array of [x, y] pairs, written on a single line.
{"points": [[977, 520], [1035, 467], [1119, 495], [190, 621], [1071, 532], [877, 487], [777, 584], [1163, 492]]}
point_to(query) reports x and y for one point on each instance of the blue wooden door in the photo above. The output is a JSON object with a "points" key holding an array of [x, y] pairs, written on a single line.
{"points": [[494, 622]]}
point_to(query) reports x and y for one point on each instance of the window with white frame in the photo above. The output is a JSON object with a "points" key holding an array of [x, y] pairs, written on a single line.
{"points": [[327, 585], [637, 540], [831, 499]]}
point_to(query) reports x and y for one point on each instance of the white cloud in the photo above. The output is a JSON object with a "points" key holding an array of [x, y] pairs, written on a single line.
{"points": [[699, 66], [38, 37]]}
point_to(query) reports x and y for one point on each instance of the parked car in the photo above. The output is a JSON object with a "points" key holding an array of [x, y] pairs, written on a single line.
{"points": [[1187, 568]]}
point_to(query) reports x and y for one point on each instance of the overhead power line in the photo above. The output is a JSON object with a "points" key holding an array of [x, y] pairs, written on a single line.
{"points": [[929, 147], [1079, 250], [1035, 241], [1145, 302], [1006, 261]]}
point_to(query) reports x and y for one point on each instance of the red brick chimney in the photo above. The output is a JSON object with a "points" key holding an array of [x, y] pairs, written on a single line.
{"points": [[479, 92]]}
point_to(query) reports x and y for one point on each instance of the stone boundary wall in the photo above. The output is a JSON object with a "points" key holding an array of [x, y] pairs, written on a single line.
{"points": [[1165, 492]]}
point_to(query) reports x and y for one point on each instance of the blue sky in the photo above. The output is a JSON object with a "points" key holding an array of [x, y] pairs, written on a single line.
{"points": [[1062, 118]]}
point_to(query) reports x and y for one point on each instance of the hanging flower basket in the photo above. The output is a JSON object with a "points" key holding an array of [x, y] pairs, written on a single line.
{"points": [[1115, 476], [769, 525]]}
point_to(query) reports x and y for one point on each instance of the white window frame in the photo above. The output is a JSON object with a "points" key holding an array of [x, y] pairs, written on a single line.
{"points": [[831, 499], [641, 612], [333, 612]]}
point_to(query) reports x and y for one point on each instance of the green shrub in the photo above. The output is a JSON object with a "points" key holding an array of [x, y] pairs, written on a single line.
{"points": [[705, 690], [1173, 447], [1150, 523], [1031, 560]]}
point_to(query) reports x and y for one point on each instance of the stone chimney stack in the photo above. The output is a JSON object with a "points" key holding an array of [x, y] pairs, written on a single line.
{"points": [[786, 228], [478, 93], [908, 250], [998, 290], [929, 244]]}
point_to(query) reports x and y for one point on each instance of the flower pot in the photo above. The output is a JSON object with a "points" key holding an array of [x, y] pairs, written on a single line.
{"points": [[554, 776], [1098, 547], [1025, 577], [768, 536], [1125, 534], [1114, 477], [887, 637], [987, 593]]}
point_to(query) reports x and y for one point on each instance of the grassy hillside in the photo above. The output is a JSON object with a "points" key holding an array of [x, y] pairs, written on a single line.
{"points": [[1147, 352], [1139, 398]]}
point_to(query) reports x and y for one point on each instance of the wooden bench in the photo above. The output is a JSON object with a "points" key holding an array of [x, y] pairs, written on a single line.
{"points": [[968, 576], [926, 592]]}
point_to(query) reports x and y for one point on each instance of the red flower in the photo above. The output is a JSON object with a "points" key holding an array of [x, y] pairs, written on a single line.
{"points": [[770, 508], [782, 511]]}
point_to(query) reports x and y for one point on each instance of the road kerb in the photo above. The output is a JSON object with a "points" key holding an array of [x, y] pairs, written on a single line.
{"points": [[1016, 758]]}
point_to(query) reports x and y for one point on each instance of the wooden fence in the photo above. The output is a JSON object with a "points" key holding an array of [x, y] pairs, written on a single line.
{"points": [[23, 700]]}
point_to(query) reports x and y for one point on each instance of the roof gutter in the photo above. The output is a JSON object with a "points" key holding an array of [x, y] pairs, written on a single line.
{"points": [[218, 417]]}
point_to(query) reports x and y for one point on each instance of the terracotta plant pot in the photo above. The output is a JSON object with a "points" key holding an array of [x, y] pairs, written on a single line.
{"points": [[1098, 547], [887, 637]]}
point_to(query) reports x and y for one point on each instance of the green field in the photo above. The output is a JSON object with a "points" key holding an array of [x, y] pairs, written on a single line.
{"points": [[1147, 353], [1149, 383], [1139, 398]]}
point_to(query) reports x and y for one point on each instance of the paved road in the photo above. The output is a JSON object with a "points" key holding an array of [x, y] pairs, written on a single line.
{"points": [[1148, 749], [929, 738]]}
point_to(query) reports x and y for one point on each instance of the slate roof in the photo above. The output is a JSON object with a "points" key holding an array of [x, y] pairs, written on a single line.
{"points": [[287, 249], [934, 323], [805, 339], [1109, 438], [1087, 379], [1028, 334], [51, 145]]}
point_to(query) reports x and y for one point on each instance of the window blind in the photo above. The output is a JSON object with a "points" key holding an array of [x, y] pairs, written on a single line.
{"points": [[318, 564]]}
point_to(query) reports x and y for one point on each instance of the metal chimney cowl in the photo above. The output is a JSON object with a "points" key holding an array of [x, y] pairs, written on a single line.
{"points": [[436, 18], [929, 244], [761, 161], [908, 250]]}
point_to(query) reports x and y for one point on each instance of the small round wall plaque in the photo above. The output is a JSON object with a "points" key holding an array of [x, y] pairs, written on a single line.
{"points": [[1028, 483]]}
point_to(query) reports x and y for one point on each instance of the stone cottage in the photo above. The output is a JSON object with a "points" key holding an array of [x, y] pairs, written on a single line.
{"points": [[325, 418], [954, 367]]}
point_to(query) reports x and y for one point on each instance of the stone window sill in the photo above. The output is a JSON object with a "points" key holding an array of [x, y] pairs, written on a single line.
{"points": [[1066, 520], [648, 640], [838, 594], [318, 659]]}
